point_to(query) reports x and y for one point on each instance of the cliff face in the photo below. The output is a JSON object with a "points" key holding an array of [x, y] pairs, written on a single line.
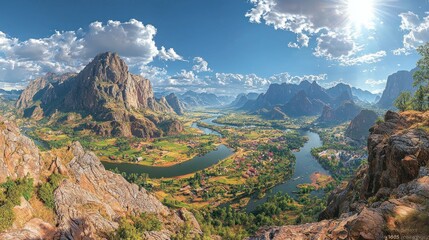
{"points": [[175, 103], [89, 202], [19, 156], [389, 196], [396, 83], [119, 102]]}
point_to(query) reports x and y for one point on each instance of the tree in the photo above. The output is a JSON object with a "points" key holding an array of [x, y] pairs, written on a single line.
{"points": [[419, 102], [421, 76], [403, 101]]}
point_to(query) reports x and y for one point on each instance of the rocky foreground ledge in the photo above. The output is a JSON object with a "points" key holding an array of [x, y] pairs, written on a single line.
{"points": [[389, 197], [88, 204]]}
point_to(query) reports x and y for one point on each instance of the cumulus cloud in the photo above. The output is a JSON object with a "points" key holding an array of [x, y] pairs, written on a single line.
{"points": [[416, 31], [366, 58], [334, 46], [169, 55], [325, 21], [69, 51], [228, 83], [201, 65], [154, 74]]}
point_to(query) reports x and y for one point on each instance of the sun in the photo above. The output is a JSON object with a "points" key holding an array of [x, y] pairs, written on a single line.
{"points": [[361, 13]]}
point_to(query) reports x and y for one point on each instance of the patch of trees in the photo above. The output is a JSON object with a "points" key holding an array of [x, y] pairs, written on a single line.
{"points": [[420, 100]]}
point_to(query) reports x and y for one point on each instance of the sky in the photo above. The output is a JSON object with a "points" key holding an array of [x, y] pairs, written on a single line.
{"points": [[223, 46]]}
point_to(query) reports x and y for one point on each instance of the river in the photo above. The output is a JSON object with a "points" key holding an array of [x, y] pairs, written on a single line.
{"points": [[195, 164], [305, 164]]}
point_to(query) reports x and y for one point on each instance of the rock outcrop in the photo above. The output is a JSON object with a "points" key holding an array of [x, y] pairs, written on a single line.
{"points": [[120, 103], [35, 229], [19, 156], [91, 200], [389, 196]]}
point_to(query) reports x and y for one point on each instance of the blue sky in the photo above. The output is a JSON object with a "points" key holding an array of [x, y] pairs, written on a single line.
{"points": [[223, 46]]}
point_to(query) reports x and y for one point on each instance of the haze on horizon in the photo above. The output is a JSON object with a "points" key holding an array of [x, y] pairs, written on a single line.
{"points": [[225, 47]]}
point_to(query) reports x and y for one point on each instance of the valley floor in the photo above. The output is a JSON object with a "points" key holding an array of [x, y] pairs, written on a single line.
{"points": [[263, 157]]}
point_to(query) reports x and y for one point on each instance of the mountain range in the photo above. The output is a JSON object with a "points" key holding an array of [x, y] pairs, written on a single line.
{"points": [[304, 99], [117, 102], [11, 95]]}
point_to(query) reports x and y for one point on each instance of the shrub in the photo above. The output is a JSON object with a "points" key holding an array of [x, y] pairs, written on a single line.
{"points": [[135, 226], [10, 196], [46, 190], [6, 216]]}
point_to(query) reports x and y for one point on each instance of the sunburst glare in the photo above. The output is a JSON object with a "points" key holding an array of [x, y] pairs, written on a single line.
{"points": [[361, 13]]}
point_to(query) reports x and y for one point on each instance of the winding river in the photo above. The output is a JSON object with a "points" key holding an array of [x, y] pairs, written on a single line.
{"points": [[195, 164], [305, 164]]}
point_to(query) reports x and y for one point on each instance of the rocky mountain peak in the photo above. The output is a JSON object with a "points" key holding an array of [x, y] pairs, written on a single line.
{"points": [[107, 66], [116, 99]]}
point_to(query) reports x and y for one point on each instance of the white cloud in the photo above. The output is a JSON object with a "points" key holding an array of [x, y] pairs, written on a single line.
{"points": [[154, 74], [409, 20], [401, 51], [226, 83], [325, 21], [169, 55], [373, 82], [417, 32], [364, 59], [201, 65], [69, 51], [333, 46], [287, 78]]}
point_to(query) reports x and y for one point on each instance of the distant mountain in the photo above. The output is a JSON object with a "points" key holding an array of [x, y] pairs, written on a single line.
{"points": [[396, 83], [194, 99], [304, 99], [242, 99], [175, 103], [11, 95], [277, 94], [339, 90], [345, 112], [302, 105], [120, 103], [364, 95]]}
